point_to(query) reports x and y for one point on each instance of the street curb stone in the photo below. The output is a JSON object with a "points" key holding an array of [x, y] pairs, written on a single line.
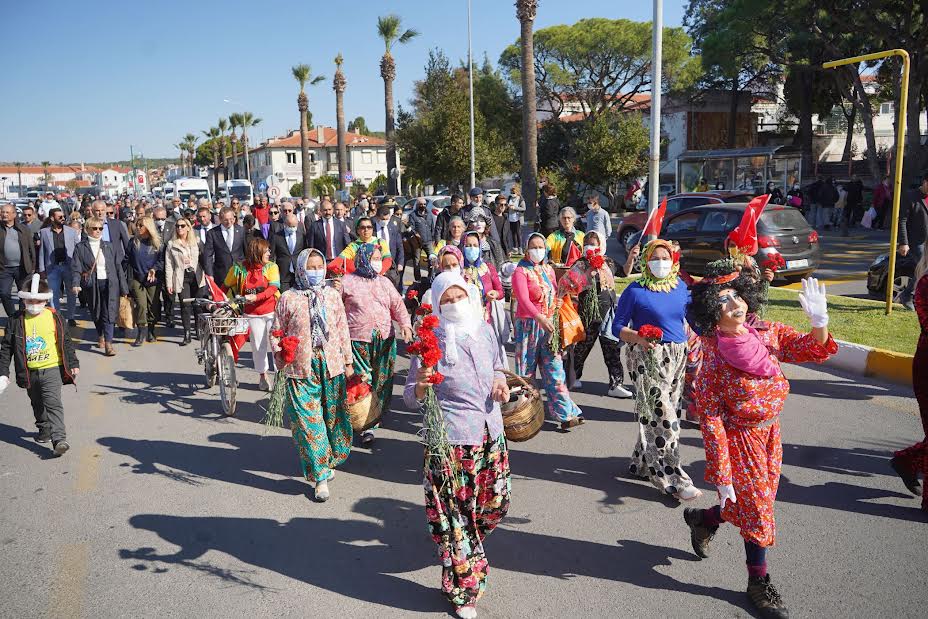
{"points": [[867, 361]]}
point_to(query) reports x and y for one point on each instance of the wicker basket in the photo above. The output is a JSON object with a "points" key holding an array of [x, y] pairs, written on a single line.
{"points": [[226, 325], [522, 418], [365, 413]]}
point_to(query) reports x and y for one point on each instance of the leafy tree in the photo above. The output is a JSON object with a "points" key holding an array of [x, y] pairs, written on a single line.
{"points": [[302, 73], [359, 126], [325, 185], [379, 182], [390, 30], [296, 190]]}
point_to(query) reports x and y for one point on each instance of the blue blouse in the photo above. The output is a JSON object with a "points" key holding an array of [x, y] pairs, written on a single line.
{"points": [[639, 306]]}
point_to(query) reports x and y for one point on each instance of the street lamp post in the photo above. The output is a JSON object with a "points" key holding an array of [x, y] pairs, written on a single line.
{"points": [[656, 55], [470, 77]]}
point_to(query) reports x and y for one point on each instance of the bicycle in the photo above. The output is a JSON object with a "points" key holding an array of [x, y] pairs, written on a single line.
{"points": [[214, 327]]}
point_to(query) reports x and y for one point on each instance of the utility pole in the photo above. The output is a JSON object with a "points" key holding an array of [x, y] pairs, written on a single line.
{"points": [[656, 54], [470, 77], [132, 167]]}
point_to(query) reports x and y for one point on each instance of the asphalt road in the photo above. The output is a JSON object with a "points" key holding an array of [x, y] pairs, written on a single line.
{"points": [[165, 508]]}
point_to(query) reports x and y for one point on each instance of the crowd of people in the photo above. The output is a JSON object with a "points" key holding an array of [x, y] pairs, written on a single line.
{"points": [[325, 302]]}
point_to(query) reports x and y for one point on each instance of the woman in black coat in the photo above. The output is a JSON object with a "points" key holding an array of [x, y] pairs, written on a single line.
{"points": [[94, 268]]}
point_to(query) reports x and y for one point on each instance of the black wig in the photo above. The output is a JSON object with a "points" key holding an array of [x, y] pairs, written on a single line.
{"points": [[705, 309]]}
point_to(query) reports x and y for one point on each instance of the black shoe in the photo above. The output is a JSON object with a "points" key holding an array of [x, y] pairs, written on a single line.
{"points": [[72, 323], [700, 535], [908, 478], [367, 438], [60, 447], [186, 339], [766, 599], [140, 336], [43, 436], [151, 334], [169, 324]]}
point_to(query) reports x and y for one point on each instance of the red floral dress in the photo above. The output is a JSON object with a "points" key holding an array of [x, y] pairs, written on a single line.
{"points": [[740, 416]]}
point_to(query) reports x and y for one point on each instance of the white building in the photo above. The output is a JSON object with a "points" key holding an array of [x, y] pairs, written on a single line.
{"points": [[114, 181], [282, 157]]}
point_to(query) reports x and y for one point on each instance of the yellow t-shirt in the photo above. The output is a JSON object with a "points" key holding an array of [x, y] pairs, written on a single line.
{"points": [[41, 347]]}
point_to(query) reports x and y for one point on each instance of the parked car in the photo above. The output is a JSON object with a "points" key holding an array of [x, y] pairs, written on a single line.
{"points": [[701, 232], [435, 203], [878, 273], [634, 222]]}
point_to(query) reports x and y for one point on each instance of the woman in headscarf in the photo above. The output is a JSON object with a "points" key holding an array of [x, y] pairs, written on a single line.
{"points": [[372, 305], [364, 229], [535, 290], [480, 273], [315, 379], [469, 398], [565, 244], [658, 299], [740, 395], [580, 283]]}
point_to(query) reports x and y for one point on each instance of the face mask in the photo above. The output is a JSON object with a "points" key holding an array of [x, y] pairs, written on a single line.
{"points": [[537, 254], [660, 268], [472, 253], [34, 309], [376, 265], [592, 248], [456, 312], [315, 276]]}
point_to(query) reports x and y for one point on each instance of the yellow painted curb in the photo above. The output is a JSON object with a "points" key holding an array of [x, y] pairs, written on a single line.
{"points": [[892, 366]]}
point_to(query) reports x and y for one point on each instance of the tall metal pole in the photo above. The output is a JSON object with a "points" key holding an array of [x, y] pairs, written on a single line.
{"points": [[470, 77], [132, 166], [656, 53]]}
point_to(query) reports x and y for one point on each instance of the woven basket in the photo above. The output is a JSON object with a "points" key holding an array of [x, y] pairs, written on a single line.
{"points": [[523, 418], [365, 413]]}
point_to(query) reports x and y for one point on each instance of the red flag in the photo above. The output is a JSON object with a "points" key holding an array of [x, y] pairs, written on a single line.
{"points": [[744, 237], [214, 290], [655, 221], [573, 254]]}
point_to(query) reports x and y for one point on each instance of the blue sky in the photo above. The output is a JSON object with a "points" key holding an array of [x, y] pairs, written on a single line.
{"points": [[87, 79]]}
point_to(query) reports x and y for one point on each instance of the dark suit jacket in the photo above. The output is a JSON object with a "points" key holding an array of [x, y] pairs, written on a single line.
{"points": [[396, 242], [317, 236], [280, 251], [119, 238], [218, 257]]}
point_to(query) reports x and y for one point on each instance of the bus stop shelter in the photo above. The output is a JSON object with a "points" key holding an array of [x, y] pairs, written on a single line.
{"points": [[742, 169]]}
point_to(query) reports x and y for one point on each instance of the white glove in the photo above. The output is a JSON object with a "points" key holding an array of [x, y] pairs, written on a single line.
{"points": [[814, 302], [726, 493], [4, 381]]}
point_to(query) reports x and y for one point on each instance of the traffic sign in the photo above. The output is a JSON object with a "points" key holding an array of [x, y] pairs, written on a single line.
{"points": [[262, 186], [141, 180], [349, 177], [273, 192]]}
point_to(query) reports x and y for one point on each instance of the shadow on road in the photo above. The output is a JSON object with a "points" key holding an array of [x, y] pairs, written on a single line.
{"points": [[12, 435]]}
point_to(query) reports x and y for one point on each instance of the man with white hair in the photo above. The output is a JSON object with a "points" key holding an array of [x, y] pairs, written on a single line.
{"points": [[287, 241], [114, 231], [17, 256]]}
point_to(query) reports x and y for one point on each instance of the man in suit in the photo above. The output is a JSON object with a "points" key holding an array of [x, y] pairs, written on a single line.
{"points": [[17, 256], [225, 245], [387, 230], [114, 231], [56, 247], [287, 241], [203, 224], [327, 234]]}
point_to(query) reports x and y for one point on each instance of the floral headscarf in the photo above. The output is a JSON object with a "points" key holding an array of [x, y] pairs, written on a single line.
{"points": [[648, 280], [362, 261], [317, 314], [454, 251], [477, 263], [526, 261]]}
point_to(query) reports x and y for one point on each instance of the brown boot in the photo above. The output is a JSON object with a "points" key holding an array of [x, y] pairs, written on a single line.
{"points": [[101, 342], [766, 599], [700, 534], [110, 350]]}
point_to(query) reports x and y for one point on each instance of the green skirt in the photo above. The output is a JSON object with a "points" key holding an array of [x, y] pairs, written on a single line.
{"points": [[374, 361]]}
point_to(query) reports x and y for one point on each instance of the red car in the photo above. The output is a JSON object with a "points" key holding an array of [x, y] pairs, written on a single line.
{"points": [[634, 222]]}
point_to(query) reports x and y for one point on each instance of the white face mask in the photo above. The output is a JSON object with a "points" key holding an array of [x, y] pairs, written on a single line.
{"points": [[34, 309], [377, 265], [592, 248], [660, 268], [457, 312], [537, 254]]}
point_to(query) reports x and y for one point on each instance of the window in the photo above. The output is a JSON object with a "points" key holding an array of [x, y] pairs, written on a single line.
{"points": [[367, 156], [683, 223], [381, 156], [720, 221], [291, 157], [887, 108]]}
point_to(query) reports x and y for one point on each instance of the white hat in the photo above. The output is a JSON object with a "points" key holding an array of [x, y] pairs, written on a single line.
{"points": [[33, 293]]}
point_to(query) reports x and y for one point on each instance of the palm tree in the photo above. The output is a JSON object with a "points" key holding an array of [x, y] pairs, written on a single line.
{"points": [[248, 120], [181, 147], [234, 123], [526, 10], [302, 73], [223, 126], [389, 29], [19, 173], [190, 141], [213, 134], [45, 165], [338, 85]]}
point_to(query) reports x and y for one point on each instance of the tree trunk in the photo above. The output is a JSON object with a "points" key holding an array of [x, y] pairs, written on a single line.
{"points": [[234, 158], [733, 114], [342, 148], [304, 154], [803, 137], [849, 140], [914, 154], [391, 144], [866, 115], [529, 121], [247, 162]]}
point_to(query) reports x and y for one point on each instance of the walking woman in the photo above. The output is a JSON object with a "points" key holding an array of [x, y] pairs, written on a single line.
{"points": [[183, 273], [315, 379], [913, 460], [480, 273], [258, 280], [585, 279], [455, 238], [566, 243], [364, 228], [96, 271], [372, 305], [535, 290], [740, 393], [466, 500], [658, 299], [147, 263]]}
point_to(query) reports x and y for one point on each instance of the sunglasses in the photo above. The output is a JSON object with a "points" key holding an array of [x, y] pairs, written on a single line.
{"points": [[160, 219], [181, 226], [275, 212], [96, 228], [365, 227]]}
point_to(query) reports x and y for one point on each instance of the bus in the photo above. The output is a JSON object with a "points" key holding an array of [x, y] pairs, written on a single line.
{"points": [[237, 188], [196, 187]]}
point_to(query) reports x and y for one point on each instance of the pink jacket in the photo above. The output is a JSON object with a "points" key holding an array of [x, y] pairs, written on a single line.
{"points": [[372, 304], [292, 317], [530, 296]]}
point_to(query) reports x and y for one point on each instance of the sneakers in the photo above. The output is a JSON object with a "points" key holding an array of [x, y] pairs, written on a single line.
{"points": [[766, 599], [700, 535], [908, 478], [61, 447], [263, 384], [909, 305], [43, 436], [466, 612], [322, 491], [367, 438], [620, 392]]}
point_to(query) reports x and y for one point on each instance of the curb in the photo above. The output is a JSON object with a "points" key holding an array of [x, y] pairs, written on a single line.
{"points": [[867, 361]]}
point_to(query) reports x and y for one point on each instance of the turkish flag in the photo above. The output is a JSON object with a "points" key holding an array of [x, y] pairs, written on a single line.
{"points": [[744, 237], [655, 221]]}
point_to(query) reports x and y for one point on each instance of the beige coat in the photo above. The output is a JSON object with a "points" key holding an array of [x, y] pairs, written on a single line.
{"points": [[176, 258]]}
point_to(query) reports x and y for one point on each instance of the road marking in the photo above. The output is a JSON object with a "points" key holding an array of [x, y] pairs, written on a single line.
{"points": [[67, 595], [88, 469], [851, 277]]}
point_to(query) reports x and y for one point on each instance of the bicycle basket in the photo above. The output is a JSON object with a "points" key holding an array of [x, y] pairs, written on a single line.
{"points": [[226, 325]]}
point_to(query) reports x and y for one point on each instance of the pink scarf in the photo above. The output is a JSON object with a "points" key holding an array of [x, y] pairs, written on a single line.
{"points": [[748, 353]]}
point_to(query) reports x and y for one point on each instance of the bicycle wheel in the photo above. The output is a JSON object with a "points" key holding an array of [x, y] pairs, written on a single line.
{"points": [[210, 353], [227, 382]]}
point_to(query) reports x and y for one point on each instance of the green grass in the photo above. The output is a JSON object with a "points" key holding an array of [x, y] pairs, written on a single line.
{"points": [[853, 320]]}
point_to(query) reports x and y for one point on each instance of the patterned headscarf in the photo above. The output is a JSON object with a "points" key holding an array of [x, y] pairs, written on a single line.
{"points": [[317, 314], [479, 260], [362, 261], [648, 280], [454, 251]]}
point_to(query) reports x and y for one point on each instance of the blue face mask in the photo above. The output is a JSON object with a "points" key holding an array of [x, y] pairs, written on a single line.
{"points": [[315, 277], [472, 254]]}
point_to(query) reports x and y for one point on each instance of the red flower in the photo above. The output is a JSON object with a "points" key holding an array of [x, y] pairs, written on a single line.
{"points": [[278, 333], [357, 389], [412, 294], [431, 357], [651, 333], [774, 262], [430, 322], [335, 269], [424, 309], [595, 260], [416, 348], [288, 346], [436, 378]]}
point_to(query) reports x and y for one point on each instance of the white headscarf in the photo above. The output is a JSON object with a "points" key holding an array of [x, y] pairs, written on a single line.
{"points": [[454, 331]]}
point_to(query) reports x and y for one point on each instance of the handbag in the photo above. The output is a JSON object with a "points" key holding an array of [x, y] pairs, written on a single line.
{"points": [[85, 276], [572, 330], [124, 320]]}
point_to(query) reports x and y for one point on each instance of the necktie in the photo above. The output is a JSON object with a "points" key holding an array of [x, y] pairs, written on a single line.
{"points": [[228, 235], [106, 231], [291, 241], [329, 247]]}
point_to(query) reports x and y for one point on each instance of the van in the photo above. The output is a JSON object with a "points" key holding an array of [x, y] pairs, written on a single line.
{"points": [[237, 188], [184, 188], [168, 189]]}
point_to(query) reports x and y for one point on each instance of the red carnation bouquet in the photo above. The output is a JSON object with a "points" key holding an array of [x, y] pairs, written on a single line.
{"points": [[651, 333], [591, 307], [357, 389], [412, 294], [774, 262], [646, 396], [335, 269], [275, 409]]}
